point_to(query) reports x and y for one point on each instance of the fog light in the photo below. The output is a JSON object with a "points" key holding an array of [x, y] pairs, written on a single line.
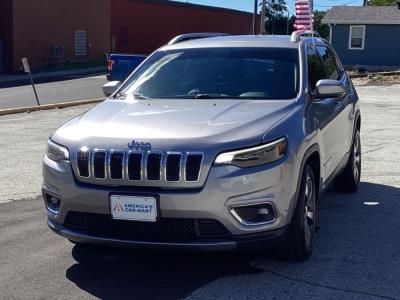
{"points": [[53, 204], [254, 214]]}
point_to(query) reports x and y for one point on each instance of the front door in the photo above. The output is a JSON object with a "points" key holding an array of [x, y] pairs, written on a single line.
{"points": [[324, 115], [342, 107]]}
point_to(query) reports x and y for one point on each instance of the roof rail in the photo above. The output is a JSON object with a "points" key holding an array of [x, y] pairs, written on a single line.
{"points": [[195, 36], [296, 35]]}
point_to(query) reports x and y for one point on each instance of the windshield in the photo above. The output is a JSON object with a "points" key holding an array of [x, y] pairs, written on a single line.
{"points": [[248, 73]]}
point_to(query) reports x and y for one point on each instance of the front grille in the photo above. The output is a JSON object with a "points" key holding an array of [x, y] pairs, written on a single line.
{"points": [[173, 167], [193, 165], [209, 227], [135, 166], [99, 162], [83, 158], [116, 165], [164, 230], [149, 166], [154, 166]]}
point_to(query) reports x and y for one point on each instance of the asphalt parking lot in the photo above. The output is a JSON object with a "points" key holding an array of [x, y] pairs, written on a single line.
{"points": [[64, 89], [356, 257]]}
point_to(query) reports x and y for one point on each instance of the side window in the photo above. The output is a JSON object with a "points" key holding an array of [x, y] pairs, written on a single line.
{"points": [[332, 71], [315, 69]]}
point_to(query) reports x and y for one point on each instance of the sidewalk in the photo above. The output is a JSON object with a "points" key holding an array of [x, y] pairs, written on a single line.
{"points": [[9, 79]]}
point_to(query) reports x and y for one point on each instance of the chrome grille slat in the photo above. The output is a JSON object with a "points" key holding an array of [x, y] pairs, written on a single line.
{"points": [[138, 167], [173, 166], [154, 166], [116, 166], [134, 166], [193, 164], [98, 164], [83, 161]]}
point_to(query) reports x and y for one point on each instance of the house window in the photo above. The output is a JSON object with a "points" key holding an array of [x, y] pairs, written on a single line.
{"points": [[80, 43], [357, 37]]}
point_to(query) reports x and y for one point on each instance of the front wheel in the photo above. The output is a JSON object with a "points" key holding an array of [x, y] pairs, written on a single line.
{"points": [[299, 243], [349, 180]]}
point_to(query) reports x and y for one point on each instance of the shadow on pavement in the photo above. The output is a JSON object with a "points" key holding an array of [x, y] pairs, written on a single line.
{"points": [[356, 247], [124, 273]]}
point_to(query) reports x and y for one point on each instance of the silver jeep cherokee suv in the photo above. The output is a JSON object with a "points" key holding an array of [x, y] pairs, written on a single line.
{"points": [[214, 142]]}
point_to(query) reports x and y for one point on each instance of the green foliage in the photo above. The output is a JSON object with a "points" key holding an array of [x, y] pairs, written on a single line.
{"points": [[322, 29], [381, 2], [275, 8], [280, 25], [276, 19]]}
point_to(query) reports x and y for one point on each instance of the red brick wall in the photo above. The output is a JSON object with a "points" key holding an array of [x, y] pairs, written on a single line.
{"points": [[38, 25], [140, 26]]}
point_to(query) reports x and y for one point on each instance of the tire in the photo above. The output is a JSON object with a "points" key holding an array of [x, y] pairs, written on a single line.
{"points": [[349, 180], [299, 243]]}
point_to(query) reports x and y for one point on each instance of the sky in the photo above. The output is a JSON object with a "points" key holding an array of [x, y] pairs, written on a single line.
{"points": [[247, 5]]}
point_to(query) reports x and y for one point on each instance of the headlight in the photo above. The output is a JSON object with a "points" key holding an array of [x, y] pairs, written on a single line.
{"points": [[56, 152], [256, 156]]}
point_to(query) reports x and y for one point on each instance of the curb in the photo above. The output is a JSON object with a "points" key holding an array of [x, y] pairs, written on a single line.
{"points": [[371, 74], [11, 111]]}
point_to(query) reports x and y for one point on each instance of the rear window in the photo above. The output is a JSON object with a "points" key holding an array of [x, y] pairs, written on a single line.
{"points": [[250, 73]]}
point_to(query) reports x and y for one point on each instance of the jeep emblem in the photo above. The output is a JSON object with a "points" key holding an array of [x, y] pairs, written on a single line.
{"points": [[139, 146]]}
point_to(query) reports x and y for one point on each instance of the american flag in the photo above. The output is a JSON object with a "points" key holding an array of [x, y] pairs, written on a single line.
{"points": [[304, 16]]}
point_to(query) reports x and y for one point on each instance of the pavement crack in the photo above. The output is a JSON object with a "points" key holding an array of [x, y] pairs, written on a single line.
{"points": [[326, 286]]}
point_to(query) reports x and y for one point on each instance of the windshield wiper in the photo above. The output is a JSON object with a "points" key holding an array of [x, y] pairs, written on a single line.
{"points": [[202, 96], [117, 95], [214, 96], [139, 96]]}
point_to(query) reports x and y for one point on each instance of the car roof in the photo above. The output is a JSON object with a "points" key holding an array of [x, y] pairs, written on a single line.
{"points": [[242, 41]]}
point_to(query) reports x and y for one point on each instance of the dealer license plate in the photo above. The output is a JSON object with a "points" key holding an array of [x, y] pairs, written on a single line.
{"points": [[134, 208]]}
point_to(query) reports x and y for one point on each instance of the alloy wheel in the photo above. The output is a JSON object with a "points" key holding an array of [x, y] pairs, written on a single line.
{"points": [[357, 158], [309, 212]]}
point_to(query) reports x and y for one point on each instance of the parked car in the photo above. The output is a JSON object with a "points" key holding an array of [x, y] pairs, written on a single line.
{"points": [[119, 68], [213, 143]]}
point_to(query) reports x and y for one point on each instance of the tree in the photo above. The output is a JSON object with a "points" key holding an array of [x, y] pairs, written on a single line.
{"points": [[276, 20], [381, 2], [322, 29]]}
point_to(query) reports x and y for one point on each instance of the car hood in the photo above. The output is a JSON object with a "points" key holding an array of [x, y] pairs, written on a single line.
{"points": [[174, 124]]}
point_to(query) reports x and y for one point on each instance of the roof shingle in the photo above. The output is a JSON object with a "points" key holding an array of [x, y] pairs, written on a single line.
{"points": [[363, 15]]}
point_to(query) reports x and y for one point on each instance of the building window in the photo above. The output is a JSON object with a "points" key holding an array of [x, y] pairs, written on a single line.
{"points": [[357, 37], [80, 43]]}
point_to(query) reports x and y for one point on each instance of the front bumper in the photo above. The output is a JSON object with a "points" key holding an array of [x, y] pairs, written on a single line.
{"points": [[245, 242], [226, 186]]}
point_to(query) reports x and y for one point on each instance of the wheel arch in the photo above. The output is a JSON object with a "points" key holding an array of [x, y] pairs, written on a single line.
{"points": [[358, 120], [313, 158]]}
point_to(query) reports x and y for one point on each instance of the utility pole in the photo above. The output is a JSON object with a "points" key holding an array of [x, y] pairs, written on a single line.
{"points": [[287, 26], [263, 16], [255, 15]]}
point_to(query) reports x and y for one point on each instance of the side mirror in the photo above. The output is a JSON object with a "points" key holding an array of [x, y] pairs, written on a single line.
{"points": [[328, 88], [110, 88]]}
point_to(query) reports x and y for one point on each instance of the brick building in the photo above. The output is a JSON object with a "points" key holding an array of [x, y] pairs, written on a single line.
{"points": [[47, 31]]}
